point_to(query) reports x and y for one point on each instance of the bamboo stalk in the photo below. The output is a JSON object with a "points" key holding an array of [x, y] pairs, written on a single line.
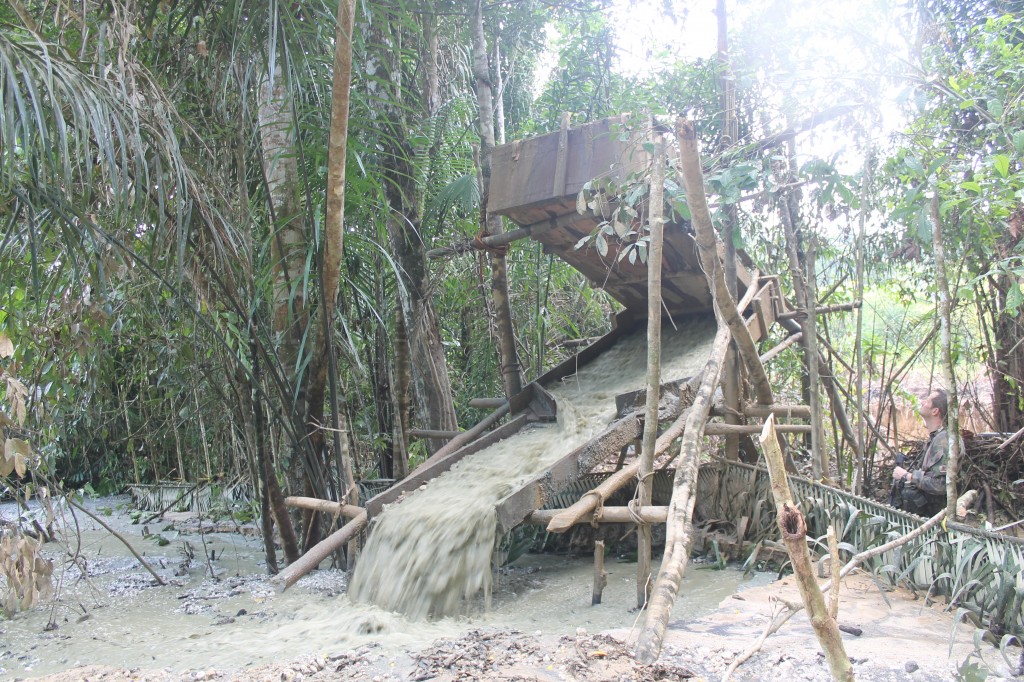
{"points": [[605, 515], [349, 511], [719, 429], [650, 436]]}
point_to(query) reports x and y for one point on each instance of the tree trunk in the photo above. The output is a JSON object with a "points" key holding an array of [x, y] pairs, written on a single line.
{"points": [[731, 385], [510, 371], [431, 391], [693, 179], [800, 268], [654, 265], [948, 371]]}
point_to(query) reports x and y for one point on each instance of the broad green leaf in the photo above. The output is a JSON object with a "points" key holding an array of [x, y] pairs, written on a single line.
{"points": [[1001, 163], [914, 165], [1018, 141], [970, 186]]}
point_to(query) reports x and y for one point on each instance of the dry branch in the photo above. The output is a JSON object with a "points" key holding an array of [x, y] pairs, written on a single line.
{"points": [[794, 534], [349, 511]]}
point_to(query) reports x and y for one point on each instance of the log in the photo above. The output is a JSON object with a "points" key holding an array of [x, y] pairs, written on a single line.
{"points": [[605, 515], [487, 403], [349, 511], [433, 433], [707, 249], [569, 517], [679, 531], [600, 575], [719, 429], [794, 533], [320, 551], [823, 310], [762, 411]]}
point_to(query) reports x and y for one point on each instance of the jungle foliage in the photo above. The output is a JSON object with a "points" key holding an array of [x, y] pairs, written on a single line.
{"points": [[163, 169]]}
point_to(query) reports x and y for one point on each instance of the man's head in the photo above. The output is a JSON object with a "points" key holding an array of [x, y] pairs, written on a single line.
{"points": [[933, 408]]}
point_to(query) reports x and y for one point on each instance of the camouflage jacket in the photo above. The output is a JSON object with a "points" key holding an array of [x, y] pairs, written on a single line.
{"points": [[931, 477]]}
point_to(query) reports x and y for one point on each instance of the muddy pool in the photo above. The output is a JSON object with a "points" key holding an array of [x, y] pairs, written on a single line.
{"points": [[220, 610]]}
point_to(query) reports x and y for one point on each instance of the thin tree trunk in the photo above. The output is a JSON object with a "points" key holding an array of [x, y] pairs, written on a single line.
{"points": [[654, 264], [857, 484], [510, 371], [731, 386], [403, 381], [948, 371], [805, 302], [693, 179]]}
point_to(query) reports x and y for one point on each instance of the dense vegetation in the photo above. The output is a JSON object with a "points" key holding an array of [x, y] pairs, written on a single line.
{"points": [[167, 303]]}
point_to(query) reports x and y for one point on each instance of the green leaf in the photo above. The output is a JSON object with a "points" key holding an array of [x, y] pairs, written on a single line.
{"points": [[1014, 297], [1001, 163], [914, 165], [970, 186], [1018, 140], [602, 245]]}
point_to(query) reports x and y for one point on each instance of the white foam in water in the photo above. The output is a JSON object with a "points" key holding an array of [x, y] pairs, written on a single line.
{"points": [[431, 555]]}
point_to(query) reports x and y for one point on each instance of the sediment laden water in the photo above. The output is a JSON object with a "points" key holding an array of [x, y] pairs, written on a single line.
{"points": [[431, 555]]}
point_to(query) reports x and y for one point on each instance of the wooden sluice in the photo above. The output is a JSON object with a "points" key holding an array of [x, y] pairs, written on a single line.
{"points": [[535, 184]]}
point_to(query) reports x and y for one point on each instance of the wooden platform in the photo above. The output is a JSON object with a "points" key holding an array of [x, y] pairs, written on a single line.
{"points": [[535, 183]]}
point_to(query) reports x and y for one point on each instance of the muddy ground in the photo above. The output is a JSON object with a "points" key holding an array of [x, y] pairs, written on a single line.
{"points": [[215, 612]]}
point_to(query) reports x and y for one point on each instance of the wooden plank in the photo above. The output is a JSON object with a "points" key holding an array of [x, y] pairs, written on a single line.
{"points": [[425, 473], [513, 509], [524, 171]]}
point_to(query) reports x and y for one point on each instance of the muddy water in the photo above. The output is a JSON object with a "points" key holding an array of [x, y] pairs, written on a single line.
{"points": [[431, 555], [118, 618]]}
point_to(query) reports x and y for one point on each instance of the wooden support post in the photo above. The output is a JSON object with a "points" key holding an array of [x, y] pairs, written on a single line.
{"points": [[786, 343], [486, 403], [433, 433], [707, 250], [650, 436], [794, 533], [600, 575], [323, 549]]}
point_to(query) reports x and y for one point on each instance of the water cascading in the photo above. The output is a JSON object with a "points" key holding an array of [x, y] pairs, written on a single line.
{"points": [[430, 555]]}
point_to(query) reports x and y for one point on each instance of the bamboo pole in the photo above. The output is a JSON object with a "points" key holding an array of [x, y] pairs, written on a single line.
{"points": [[323, 549], [679, 529], [719, 429], [650, 437], [794, 534], [349, 511], [605, 515], [786, 343]]}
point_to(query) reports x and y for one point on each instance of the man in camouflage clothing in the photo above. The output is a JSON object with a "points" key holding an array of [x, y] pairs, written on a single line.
{"points": [[924, 490]]}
